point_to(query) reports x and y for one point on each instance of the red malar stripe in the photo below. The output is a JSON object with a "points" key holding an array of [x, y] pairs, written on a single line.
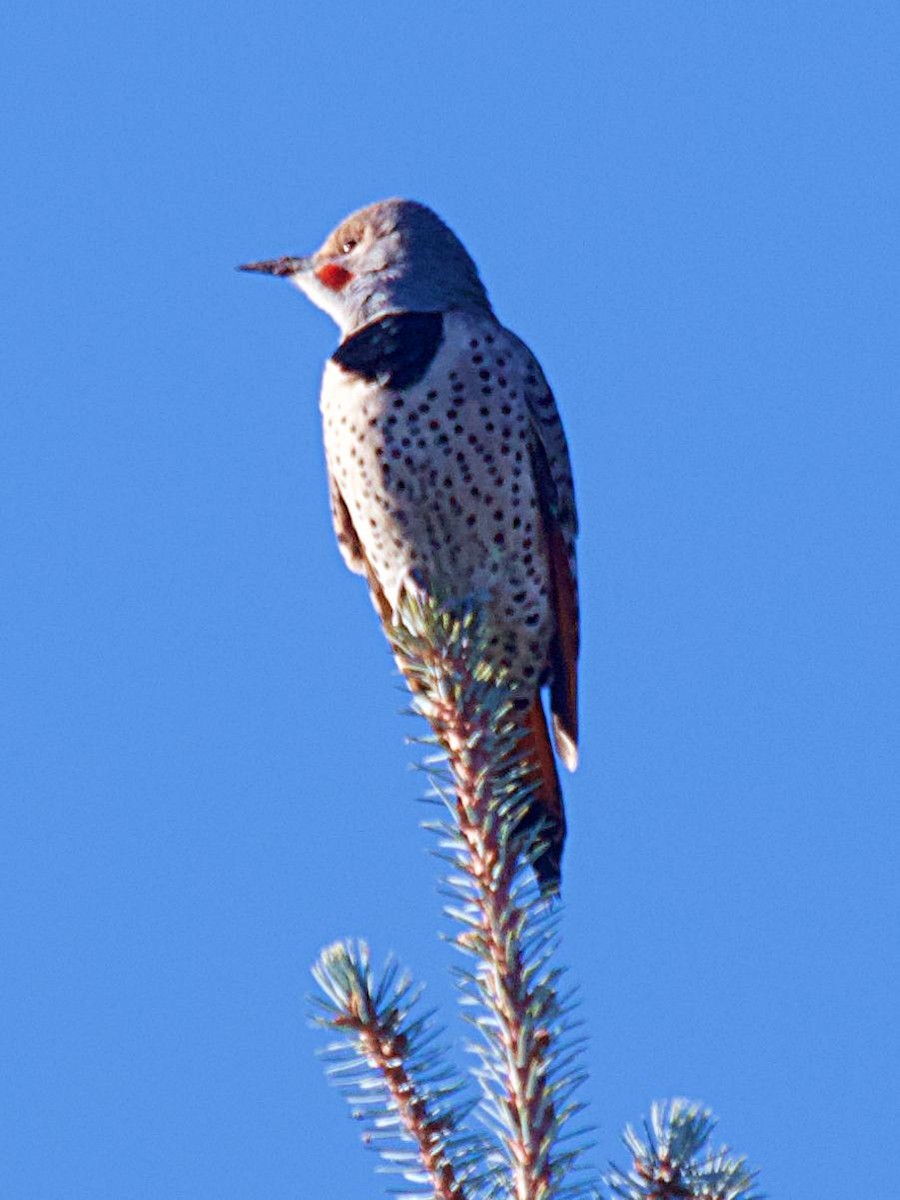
{"points": [[334, 276]]}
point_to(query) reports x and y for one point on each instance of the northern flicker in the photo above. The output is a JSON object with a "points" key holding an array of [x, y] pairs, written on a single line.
{"points": [[447, 462]]}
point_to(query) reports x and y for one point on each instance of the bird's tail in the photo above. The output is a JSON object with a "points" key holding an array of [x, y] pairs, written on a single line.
{"points": [[547, 803]]}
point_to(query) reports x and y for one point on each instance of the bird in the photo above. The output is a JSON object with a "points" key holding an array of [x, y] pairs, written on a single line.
{"points": [[448, 467]]}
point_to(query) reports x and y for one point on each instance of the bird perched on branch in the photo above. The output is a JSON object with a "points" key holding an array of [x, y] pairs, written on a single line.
{"points": [[448, 468]]}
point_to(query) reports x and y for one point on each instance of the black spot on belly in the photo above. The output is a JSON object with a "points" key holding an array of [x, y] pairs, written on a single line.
{"points": [[395, 351]]}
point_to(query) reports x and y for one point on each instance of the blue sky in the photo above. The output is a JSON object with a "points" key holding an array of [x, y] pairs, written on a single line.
{"points": [[690, 212]]}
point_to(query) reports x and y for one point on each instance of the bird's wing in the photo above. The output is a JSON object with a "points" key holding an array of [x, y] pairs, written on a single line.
{"points": [[348, 541], [556, 497], [351, 547]]}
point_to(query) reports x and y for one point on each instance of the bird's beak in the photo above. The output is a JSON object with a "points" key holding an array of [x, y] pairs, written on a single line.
{"points": [[279, 266]]}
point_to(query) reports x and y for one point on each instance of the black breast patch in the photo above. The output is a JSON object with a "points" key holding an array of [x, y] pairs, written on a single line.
{"points": [[395, 351]]}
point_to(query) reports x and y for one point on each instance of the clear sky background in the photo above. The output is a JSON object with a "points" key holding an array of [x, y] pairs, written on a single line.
{"points": [[690, 211]]}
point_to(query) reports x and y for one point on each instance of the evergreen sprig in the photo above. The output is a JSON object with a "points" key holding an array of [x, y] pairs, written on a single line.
{"points": [[526, 1045], [674, 1161], [395, 1077], [528, 1061]]}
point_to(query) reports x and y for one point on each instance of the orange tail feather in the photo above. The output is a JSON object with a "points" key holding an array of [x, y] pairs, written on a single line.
{"points": [[547, 804]]}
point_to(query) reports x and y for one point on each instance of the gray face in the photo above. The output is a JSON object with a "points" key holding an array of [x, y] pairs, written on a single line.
{"points": [[394, 256]]}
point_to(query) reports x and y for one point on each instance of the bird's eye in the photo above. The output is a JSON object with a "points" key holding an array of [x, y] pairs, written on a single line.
{"points": [[347, 245]]}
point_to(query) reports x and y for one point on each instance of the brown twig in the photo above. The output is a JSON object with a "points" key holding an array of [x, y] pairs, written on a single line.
{"points": [[385, 1051], [504, 984]]}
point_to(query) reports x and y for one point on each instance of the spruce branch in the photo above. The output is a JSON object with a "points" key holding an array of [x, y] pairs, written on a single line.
{"points": [[674, 1161], [526, 1044], [526, 1075], [386, 1062]]}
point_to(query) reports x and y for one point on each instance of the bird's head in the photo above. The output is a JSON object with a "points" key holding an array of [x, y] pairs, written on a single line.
{"points": [[393, 256]]}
